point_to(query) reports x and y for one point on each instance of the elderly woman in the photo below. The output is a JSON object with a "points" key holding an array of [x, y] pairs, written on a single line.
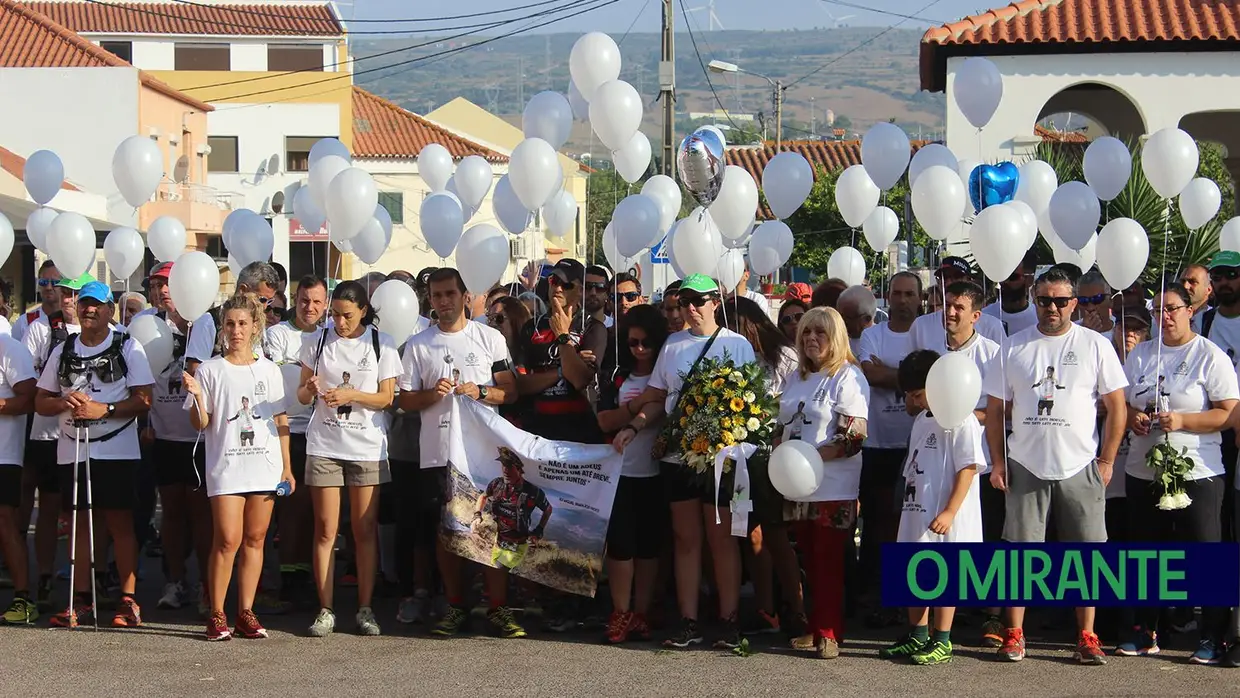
{"points": [[131, 304]]}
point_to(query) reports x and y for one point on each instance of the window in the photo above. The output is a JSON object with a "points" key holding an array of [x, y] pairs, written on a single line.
{"points": [[121, 49], [286, 57], [202, 57], [297, 152], [394, 202], [223, 156]]}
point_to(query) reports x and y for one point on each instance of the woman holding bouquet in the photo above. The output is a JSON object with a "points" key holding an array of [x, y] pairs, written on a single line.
{"points": [[826, 402], [692, 493], [1180, 396]]}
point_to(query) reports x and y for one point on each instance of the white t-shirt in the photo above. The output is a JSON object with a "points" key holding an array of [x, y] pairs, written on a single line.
{"points": [[809, 410], [5, 327], [350, 432], [23, 323], [16, 366], [1186, 379], [1055, 383], [37, 340], [471, 355], [928, 332], [1016, 322], [758, 298], [787, 366], [243, 445], [935, 457], [637, 460], [201, 338], [1225, 332], [890, 424], [980, 350], [122, 446], [284, 345], [169, 418]]}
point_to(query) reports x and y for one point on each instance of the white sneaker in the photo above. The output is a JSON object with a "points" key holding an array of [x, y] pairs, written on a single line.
{"points": [[323, 624], [174, 596], [413, 608], [366, 622]]}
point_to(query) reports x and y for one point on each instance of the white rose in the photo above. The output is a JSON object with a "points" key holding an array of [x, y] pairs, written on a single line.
{"points": [[740, 433], [749, 396], [753, 424], [735, 377], [1182, 500], [1167, 502]]}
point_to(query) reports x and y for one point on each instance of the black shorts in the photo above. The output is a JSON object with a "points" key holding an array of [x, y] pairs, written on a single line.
{"points": [[297, 456], [682, 484], [639, 519], [113, 484], [11, 486], [40, 462], [177, 464]]}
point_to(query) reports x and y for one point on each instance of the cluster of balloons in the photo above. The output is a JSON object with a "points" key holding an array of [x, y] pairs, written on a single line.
{"points": [[338, 195], [613, 106]]}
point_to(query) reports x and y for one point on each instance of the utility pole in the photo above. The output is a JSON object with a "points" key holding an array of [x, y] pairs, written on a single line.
{"points": [[779, 113], [667, 91]]}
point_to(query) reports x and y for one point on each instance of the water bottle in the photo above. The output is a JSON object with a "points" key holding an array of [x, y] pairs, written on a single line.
{"points": [[284, 489]]}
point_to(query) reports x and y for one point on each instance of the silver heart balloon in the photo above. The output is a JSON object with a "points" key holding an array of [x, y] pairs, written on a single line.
{"points": [[700, 163]]}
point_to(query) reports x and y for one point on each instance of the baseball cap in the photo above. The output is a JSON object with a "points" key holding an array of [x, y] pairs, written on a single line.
{"points": [[1225, 258], [799, 291], [1134, 314], [163, 270], [699, 283], [76, 284], [957, 264], [569, 270], [423, 279], [95, 290]]}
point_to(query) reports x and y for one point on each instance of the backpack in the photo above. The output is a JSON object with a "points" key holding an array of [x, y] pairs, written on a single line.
{"points": [[318, 352], [111, 360]]}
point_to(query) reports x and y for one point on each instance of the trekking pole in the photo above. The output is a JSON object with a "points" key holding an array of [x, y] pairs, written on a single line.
{"points": [[90, 525], [73, 535]]}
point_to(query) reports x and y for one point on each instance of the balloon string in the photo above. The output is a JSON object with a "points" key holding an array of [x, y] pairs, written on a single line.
{"points": [[1162, 284]]}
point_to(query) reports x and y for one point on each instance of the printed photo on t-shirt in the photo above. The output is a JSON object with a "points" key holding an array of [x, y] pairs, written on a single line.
{"points": [[1047, 387]]}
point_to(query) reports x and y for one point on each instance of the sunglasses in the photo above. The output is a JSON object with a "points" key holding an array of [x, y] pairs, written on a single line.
{"points": [[554, 280], [1228, 274], [791, 318], [596, 286], [630, 296], [1091, 300], [695, 301], [1058, 301], [639, 343], [48, 282], [266, 301]]}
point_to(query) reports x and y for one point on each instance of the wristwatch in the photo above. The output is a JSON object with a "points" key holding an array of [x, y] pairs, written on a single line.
{"points": [[111, 408], [482, 393]]}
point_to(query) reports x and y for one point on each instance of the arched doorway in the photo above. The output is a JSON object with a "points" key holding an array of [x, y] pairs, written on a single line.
{"points": [[1099, 109]]}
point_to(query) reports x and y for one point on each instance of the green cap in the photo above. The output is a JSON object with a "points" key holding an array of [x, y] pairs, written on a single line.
{"points": [[76, 284], [699, 283], [1225, 258]]}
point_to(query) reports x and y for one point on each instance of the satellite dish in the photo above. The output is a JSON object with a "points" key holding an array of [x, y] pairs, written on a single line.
{"points": [[273, 164], [277, 202], [180, 171]]}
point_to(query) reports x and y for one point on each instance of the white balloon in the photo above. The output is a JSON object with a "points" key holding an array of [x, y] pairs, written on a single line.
{"points": [[614, 259], [328, 146], [770, 247], [1037, 184], [482, 256], [884, 154], [434, 165], [636, 223], [307, 211], [978, 89], [1108, 165], [466, 209], [512, 215], [137, 168], [396, 310], [581, 108], [351, 201], [322, 175], [167, 238], [1074, 212], [43, 176], [1229, 237], [996, 238], [1169, 160], [786, 181], [736, 204], [594, 60], [385, 220], [37, 224], [698, 245], [856, 195], [548, 116], [881, 228], [633, 159], [796, 469], [71, 244], [560, 213], [928, 156], [731, 269], [1199, 203], [156, 339], [846, 263], [345, 247], [534, 169], [234, 267], [442, 222], [371, 242], [1083, 259], [1123, 250], [953, 388], [252, 240], [6, 239], [123, 250], [1029, 223], [615, 113], [194, 283], [666, 194], [937, 200], [740, 243], [473, 180]]}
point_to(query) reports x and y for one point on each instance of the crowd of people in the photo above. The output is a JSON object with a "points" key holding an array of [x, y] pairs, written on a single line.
{"points": [[300, 430]]}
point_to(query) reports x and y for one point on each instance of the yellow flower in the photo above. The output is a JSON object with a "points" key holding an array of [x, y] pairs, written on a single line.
{"points": [[728, 438], [718, 447], [742, 383], [754, 409], [717, 383], [712, 401], [683, 421], [698, 400], [729, 394], [737, 404], [689, 410], [726, 423]]}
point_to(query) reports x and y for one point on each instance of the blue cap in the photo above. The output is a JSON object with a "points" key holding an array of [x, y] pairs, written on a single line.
{"points": [[95, 290]]}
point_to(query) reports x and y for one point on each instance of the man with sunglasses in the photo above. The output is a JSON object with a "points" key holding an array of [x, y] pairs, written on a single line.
{"points": [[628, 292], [1014, 308], [1196, 280], [1093, 301], [49, 300], [1050, 382], [1221, 325]]}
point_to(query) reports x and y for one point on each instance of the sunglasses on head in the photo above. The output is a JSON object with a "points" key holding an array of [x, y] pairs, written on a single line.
{"points": [[635, 343], [48, 282], [695, 301], [791, 318], [554, 280], [1058, 301], [1091, 300], [1225, 274], [629, 296]]}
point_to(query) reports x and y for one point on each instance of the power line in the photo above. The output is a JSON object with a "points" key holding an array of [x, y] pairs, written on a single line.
{"points": [[859, 46], [409, 20], [633, 23], [875, 10], [702, 63]]}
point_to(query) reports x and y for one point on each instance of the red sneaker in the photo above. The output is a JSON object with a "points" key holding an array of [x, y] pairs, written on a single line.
{"points": [[1013, 649], [1089, 649], [128, 614], [639, 627], [217, 628], [247, 626], [618, 626], [78, 614]]}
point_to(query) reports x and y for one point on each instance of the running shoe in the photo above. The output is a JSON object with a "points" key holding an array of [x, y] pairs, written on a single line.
{"points": [[1143, 642], [217, 628], [762, 624], [21, 612], [639, 627], [412, 609], [324, 623], [935, 652], [686, 636], [1207, 653], [1013, 649], [247, 626], [828, 648], [503, 624], [175, 596], [79, 614], [1089, 649], [128, 614], [730, 635], [992, 632], [366, 622], [804, 643], [905, 647], [619, 625], [451, 622]]}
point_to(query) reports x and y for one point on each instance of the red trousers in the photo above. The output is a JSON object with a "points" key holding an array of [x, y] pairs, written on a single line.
{"points": [[822, 553]]}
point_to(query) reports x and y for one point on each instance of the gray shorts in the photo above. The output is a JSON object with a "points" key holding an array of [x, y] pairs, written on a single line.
{"points": [[322, 471], [1078, 503]]}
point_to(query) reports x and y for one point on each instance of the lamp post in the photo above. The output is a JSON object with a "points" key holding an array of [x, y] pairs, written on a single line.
{"points": [[777, 98]]}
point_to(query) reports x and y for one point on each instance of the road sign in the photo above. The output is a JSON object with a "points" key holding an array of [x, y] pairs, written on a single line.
{"points": [[658, 253]]}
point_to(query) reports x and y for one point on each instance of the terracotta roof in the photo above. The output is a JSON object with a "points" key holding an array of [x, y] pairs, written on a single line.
{"points": [[195, 18], [29, 39], [15, 165], [1047, 134], [383, 130], [1079, 23]]}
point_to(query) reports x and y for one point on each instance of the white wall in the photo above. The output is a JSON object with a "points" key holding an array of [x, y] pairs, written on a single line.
{"points": [[81, 114], [154, 54], [248, 56]]}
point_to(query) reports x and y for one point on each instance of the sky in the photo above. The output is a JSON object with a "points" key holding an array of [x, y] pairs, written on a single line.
{"points": [[732, 14]]}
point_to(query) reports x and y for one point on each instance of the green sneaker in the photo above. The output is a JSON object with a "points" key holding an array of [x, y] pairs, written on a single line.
{"points": [[21, 612], [504, 624], [906, 647], [451, 622], [933, 653]]}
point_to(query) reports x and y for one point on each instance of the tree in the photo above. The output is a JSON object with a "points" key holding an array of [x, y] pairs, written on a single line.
{"points": [[604, 189]]}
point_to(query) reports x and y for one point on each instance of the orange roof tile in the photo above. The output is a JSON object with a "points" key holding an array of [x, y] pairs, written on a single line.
{"points": [[15, 165], [1078, 22], [201, 18], [1046, 134], [381, 129], [29, 39]]}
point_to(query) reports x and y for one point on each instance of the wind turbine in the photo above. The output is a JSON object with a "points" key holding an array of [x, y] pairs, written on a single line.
{"points": [[712, 18], [835, 21]]}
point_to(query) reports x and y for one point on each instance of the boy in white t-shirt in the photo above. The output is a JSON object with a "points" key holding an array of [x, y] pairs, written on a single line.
{"points": [[941, 501]]}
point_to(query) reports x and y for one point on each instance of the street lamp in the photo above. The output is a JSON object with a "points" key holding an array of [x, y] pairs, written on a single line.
{"points": [[718, 66]]}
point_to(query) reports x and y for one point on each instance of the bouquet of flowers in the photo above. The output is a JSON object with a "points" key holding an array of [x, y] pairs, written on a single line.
{"points": [[1171, 469], [724, 404]]}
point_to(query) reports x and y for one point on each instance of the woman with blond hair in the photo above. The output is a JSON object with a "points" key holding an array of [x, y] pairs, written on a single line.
{"points": [[825, 402]]}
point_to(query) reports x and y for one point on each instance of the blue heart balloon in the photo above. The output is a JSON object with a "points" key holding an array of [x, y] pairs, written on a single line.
{"points": [[990, 185]]}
